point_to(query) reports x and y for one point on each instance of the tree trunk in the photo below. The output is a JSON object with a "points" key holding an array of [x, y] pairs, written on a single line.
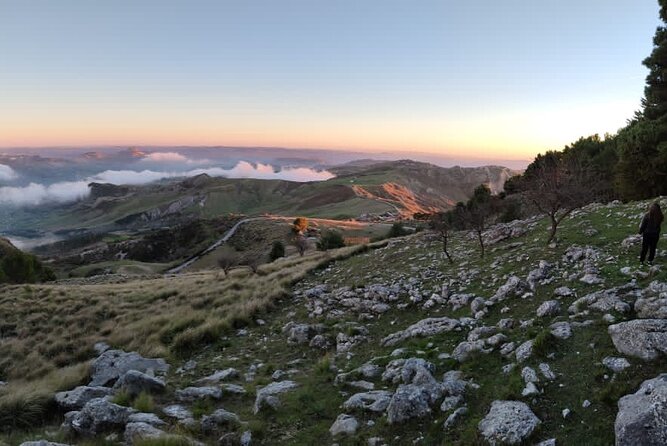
{"points": [[554, 227], [444, 249], [481, 242]]}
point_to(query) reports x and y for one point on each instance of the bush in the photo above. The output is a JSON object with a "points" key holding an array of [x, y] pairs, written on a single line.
{"points": [[397, 230], [330, 240], [277, 250]]}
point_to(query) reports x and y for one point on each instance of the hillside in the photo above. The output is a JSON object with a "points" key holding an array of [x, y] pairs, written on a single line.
{"points": [[382, 190], [19, 267], [387, 345]]}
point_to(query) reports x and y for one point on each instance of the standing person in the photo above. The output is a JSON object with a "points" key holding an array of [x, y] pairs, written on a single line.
{"points": [[650, 231]]}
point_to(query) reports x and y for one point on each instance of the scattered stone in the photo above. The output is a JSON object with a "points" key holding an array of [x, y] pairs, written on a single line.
{"points": [[42, 443], [548, 308], [423, 328], [547, 372], [563, 291], [524, 351], [640, 338], [508, 422], [344, 425], [586, 404], [530, 389], [375, 401], [220, 375], [455, 417], [566, 413], [190, 394], [465, 350], [267, 396], [450, 403], [221, 417], [615, 364], [135, 431], [180, 413], [561, 330]]}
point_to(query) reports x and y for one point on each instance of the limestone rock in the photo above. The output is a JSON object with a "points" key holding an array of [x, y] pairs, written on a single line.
{"points": [[409, 401], [423, 328], [134, 382], [375, 401], [190, 394], [344, 425], [76, 398], [548, 308], [508, 422], [640, 338], [112, 364], [221, 417], [641, 416], [266, 396], [98, 416]]}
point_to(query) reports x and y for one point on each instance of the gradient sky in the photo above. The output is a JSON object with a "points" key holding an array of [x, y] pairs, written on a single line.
{"points": [[488, 78]]}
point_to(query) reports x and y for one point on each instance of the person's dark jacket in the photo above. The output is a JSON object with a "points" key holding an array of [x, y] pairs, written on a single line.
{"points": [[649, 227]]}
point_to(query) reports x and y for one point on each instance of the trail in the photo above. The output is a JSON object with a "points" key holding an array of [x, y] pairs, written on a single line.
{"points": [[214, 246]]}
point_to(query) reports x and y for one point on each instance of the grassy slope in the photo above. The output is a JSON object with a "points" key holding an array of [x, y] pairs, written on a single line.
{"points": [[173, 316]]}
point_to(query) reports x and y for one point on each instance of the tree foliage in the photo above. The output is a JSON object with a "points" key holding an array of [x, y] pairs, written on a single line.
{"points": [[300, 225]]}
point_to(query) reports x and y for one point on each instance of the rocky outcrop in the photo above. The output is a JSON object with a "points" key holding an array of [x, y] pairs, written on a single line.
{"points": [[374, 401], [134, 382], [641, 416], [97, 417]]}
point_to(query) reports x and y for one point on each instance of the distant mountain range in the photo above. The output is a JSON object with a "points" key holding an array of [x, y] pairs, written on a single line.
{"points": [[360, 190]]}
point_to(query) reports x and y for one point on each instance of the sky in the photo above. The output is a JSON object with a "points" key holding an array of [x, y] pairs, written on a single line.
{"points": [[483, 78]]}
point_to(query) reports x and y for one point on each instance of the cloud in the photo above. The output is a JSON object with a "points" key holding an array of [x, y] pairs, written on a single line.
{"points": [[7, 173], [166, 157], [35, 194]]}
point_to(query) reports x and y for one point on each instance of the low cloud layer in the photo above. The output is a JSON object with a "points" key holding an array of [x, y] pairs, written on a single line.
{"points": [[35, 194], [7, 173]]}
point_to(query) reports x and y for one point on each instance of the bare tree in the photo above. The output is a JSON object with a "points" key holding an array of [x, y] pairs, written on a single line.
{"points": [[301, 243], [478, 213], [442, 223], [557, 185], [227, 259]]}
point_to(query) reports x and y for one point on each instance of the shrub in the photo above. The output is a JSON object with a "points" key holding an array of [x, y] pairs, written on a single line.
{"points": [[330, 240], [277, 250], [122, 398], [397, 230]]}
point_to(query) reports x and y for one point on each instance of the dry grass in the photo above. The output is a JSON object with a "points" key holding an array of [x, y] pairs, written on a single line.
{"points": [[47, 327]]}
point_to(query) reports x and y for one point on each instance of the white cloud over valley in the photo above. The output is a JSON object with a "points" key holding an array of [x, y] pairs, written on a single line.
{"points": [[67, 191]]}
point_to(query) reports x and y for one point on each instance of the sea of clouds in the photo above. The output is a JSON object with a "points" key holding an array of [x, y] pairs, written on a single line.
{"points": [[35, 194]]}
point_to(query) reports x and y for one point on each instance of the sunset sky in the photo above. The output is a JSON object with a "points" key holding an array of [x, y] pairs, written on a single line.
{"points": [[485, 78]]}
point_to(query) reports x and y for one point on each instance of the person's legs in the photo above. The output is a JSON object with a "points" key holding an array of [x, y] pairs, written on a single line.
{"points": [[645, 244], [652, 247]]}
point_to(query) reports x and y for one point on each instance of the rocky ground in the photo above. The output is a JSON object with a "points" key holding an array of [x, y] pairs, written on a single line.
{"points": [[530, 345]]}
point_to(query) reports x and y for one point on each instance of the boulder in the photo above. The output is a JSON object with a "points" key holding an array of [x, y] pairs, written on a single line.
{"points": [[98, 416], [508, 422], [409, 401], [344, 425], [641, 416], [112, 364], [423, 328], [374, 401], [145, 417], [466, 349], [180, 413], [266, 396], [640, 338], [513, 287], [134, 382], [455, 417], [76, 398]]}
